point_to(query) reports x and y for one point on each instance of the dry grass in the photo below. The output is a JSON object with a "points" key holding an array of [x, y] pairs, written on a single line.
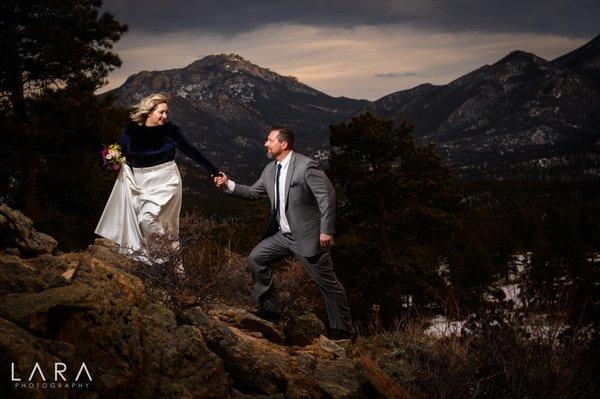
{"points": [[297, 292]]}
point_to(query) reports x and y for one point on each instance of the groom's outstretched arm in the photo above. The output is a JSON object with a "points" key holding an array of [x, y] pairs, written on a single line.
{"points": [[252, 192]]}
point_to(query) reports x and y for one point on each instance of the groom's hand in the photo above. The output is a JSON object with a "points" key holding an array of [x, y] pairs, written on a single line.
{"points": [[221, 180], [326, 240]]}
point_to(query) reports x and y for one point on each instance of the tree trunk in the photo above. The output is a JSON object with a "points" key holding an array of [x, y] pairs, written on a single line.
{"points": [[32, 204], [383, 232]]}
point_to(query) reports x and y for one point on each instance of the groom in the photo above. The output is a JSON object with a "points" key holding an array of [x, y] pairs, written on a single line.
{"points": [[302, 224]]}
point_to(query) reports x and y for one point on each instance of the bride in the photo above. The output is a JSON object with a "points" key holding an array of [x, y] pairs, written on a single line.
{"points": [[146, 198]]}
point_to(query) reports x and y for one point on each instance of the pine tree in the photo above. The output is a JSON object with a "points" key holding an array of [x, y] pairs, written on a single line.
{"points": [[46, 46], [397, 207]]}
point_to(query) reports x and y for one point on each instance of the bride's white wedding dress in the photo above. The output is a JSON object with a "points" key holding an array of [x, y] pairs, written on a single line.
{"points": [[143, 201]]}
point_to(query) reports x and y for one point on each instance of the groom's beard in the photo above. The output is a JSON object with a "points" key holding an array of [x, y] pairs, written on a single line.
{"points": [[271, 154]]}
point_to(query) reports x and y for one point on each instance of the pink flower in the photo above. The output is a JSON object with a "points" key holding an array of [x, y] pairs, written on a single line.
{"points": [[112, 157]]}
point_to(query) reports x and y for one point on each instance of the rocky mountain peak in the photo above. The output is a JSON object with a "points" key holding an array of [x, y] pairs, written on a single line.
{"points": [[220, 60], [224, 99], [584, 60], [402, 98], [215, 76], [516, 114], [519, 56], [519, 65], [589, 50], [225, 65], [518, 62], [415, 91]]}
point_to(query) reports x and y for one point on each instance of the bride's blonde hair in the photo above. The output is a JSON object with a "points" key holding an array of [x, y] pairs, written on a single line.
{"points": [[146, 106]]}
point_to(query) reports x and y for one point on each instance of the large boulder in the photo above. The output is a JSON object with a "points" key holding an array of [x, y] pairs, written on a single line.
{"points": [[98, 313], [177, 362], [20, 351], [19, 275], [18, 235], [261, 368], [257, 365], [301, 329], [245, 320]]}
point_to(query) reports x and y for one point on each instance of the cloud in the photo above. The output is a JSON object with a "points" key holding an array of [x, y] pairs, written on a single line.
{"points": [[397, 75], [576, 18]]}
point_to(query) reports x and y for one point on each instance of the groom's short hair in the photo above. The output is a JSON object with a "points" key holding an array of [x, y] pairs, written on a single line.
{"points": [[285, 134]]}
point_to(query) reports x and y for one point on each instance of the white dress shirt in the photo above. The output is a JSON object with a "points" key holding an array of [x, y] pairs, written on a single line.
{"points": [[283, 222]]}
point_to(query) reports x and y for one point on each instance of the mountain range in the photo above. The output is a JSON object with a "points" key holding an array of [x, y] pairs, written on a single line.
{"points": [[226, 104], [521, 118]]}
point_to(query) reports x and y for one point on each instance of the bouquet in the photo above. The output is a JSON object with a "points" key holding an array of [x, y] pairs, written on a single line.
{"points": [[112, 158]]}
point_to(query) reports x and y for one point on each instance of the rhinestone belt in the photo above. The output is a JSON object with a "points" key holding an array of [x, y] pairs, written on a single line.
{"points": [[153, 168]]}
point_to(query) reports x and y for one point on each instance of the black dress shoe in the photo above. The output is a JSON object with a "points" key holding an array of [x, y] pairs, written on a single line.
{"points": [[337, 333], [268, 315]]}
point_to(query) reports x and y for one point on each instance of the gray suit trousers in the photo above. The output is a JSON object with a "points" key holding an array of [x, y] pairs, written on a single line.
{"points": [[319, 267]]}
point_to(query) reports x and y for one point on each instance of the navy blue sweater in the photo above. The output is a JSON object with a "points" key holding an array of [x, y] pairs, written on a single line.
{"points": [[149, 146]]}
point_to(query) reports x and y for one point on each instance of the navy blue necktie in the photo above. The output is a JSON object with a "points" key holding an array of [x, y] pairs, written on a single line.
{"points": [[277, 191]]}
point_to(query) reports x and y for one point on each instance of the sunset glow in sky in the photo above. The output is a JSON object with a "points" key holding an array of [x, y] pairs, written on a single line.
{"points": [[358, 49]]}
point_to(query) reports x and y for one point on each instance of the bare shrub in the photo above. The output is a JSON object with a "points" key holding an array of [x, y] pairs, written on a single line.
{"points": [[158, 265], [535, 352], [204, 267], [425, 366], [514, 359], [215, 272]]}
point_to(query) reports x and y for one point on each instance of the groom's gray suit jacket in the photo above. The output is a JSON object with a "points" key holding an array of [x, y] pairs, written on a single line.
{"points": [[310, 200]]}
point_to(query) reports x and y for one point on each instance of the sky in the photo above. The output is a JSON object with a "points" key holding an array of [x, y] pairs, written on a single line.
{"points": [[355, 48]]}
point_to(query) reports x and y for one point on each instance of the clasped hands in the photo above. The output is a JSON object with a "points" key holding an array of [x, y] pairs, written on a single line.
{"points": [[221, 180]]}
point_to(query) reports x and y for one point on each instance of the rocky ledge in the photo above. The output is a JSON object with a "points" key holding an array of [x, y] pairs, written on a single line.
{"points": [[61, 311]]}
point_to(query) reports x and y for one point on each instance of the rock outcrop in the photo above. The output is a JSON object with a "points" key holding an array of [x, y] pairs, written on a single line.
{"points": [[18, 237], [88, 314]]}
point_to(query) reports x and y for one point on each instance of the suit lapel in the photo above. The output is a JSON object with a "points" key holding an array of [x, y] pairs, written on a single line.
{"points": [[288, 178]]}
